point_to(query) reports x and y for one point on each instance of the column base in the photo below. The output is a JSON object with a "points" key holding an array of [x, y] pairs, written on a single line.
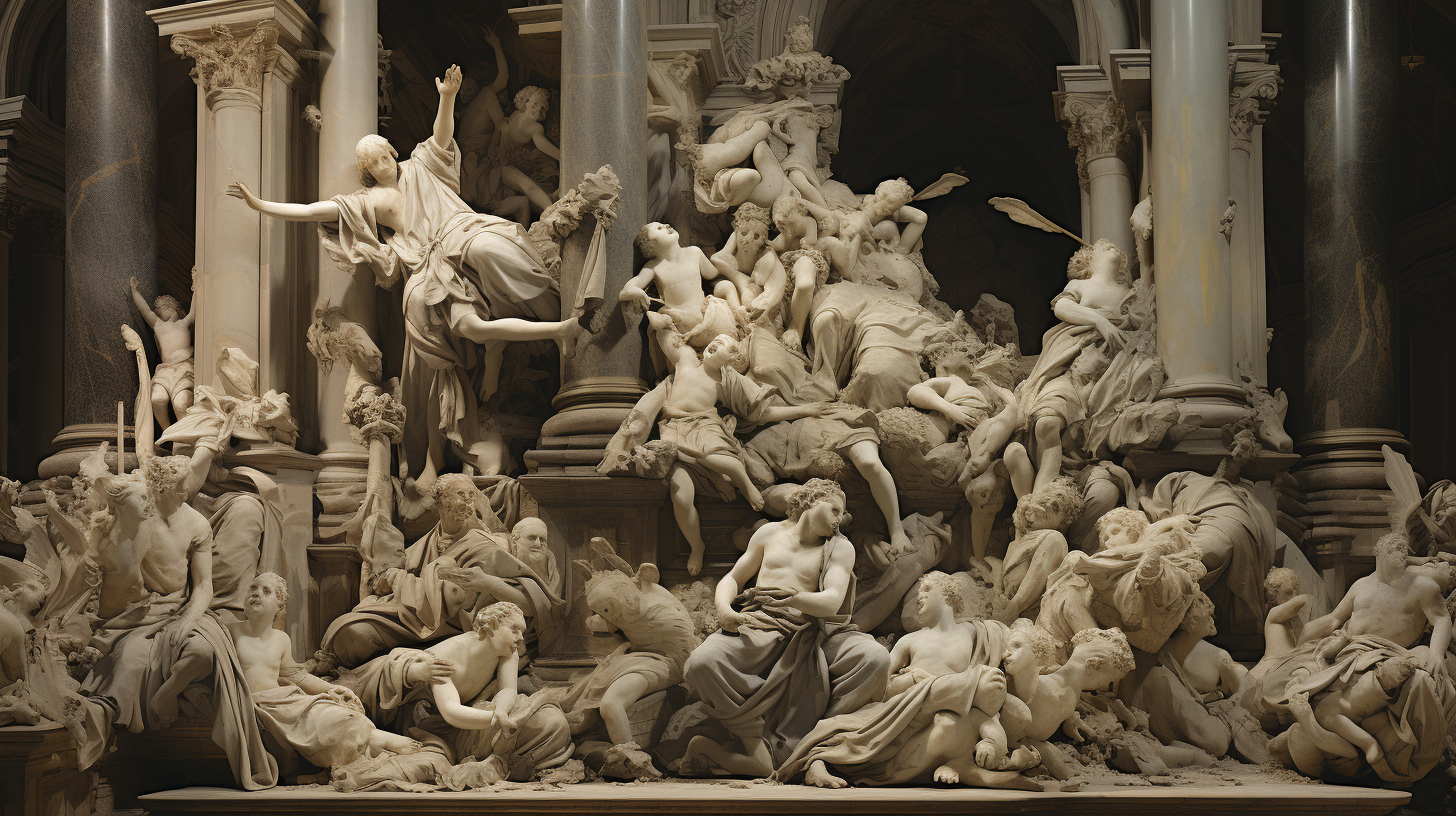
{"points": [[1210, 405], [76, 442], [339, 488], [1342, 478], [633, 514]]}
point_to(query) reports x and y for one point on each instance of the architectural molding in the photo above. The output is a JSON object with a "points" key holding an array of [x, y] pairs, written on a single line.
{"points": [[1096, 127], [1253, 85], [227, 61]]}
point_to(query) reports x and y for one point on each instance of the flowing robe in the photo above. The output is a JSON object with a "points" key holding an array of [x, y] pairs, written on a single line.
{"points": [[424, 607], [440, 366]]}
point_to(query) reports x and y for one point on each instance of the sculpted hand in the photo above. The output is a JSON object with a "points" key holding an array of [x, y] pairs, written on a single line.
{"points": [[240, 190], [1114, 336], [776, 598], [450, 85], [134, 283], [432, 669], [185, 624], [492, 38], [634, 295], [961, 416], [1435, 665]]}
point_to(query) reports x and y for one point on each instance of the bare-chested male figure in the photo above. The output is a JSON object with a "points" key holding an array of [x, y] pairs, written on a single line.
{"points": [[679, 272], [760, 674], [173, 378]]}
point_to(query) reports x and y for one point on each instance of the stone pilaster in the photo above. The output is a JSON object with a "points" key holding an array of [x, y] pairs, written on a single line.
{"points": [[1255, 85], [1350, 223]]}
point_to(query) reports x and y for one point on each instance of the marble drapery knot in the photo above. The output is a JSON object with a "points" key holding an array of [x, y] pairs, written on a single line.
{"points": [[228, 61]]}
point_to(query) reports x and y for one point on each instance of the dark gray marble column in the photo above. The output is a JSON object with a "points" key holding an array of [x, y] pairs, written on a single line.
{"points": [[111, 209], [1350, 221], [604, 102]]}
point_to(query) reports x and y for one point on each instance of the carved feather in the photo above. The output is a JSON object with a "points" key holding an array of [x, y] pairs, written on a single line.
{"points": [[941, 186], [1405, 492], [1023, 214]]}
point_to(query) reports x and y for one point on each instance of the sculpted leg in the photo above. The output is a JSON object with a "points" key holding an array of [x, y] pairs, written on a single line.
{"points": [[161, 402], [1049, 451], [987, 495], [732, 467], [680, 489], [865, 456], [1019, 469], [859, 668], [192, 665], [519, 181], [620, 696]]}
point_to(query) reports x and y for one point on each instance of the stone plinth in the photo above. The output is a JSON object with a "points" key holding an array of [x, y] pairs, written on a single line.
{"points": [[38, 775]]}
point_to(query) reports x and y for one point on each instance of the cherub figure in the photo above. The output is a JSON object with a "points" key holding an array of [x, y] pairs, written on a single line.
{"points": [[1283, 628], [1038, 549], [515, 136], [324, 722], [748, 253], [805, 229], [688, 401], [679, 273], [18, 606], [1100, 657], [173, 377]]}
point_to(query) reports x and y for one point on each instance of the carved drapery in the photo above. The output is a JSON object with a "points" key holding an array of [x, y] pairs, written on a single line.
{"points": [[229, 62]]}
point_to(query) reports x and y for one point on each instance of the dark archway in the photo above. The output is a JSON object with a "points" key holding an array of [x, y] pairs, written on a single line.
{"points": [[962, 83]]}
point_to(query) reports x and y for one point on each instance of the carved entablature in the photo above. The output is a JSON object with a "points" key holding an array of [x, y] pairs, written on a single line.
{"points": [[227, 61], [1252, 90], [1096, 128]]}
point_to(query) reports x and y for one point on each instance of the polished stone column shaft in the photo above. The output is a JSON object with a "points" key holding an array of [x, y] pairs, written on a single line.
{"points": [[604, 101], [1190, 169], [1350, 222], [111, 208], [228, 315]]}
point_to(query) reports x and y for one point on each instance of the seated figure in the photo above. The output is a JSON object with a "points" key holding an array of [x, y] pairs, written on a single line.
{"points": [[323, 722], [940, 720], [454, 569], [1038, 549], [464, 691], [787, 656]]}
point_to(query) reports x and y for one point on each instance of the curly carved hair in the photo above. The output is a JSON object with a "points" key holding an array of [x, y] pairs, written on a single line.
{"points": [[366, 151], [167, 302], [785, 207], [1278, 581], [1043, 645], [813, 492], [280, 589], [1080, 265], [947, 586], [1113, 652], [490, 618], [1061, 497], [894, 193], [167, 474], [532, 95], [749, 214], [1135, 521], [1393, 545], [448, 482]]}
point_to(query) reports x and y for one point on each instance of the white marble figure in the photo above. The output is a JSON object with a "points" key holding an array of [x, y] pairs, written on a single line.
{"points": [[941, 717], [470, 279], [787, 655], [1048, 694], [172, 380], [679, 273], [660, 635], [687, 402], [1038, 549], [514, 137], [1073, 355], [747, 253], [530, 547], [1284, 625], [324, 722]]}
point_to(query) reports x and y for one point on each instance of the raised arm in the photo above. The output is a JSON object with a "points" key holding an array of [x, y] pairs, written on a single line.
{"points": [[1440, 618], [141, 304], [445, 116], [192, 302], [318, 211]]}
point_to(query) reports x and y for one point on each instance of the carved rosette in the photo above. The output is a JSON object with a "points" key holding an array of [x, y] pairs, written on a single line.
{"points": [[226, 62], [1096, 128], [1252, 94]]}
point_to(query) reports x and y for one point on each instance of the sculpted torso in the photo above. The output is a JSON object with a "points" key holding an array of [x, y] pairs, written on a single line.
{"points": [[476, 663], [1391, 612], [174, 340], [1104, 297], [388, 203], [939, 653], [261, 658], [789, 564], [164, 562], [678, 279], [692, 390]]}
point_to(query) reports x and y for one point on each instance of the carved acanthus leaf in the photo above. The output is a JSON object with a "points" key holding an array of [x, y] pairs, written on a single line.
{"points": [[226, 60], [1096, 127]]}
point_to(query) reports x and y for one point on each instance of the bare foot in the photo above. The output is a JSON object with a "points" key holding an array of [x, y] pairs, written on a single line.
{"points": [[165, 706], [820, 777], [988, 756], [755, 500], [947, 775], [695, 561]]}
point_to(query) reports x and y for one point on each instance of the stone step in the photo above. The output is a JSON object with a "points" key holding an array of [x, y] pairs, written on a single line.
{"points": [[707, 798]]}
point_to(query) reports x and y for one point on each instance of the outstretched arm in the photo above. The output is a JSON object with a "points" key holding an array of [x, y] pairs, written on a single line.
{"points": [[445, 116], [192, 304], [141, 304], [318, 211], [544, 145]]}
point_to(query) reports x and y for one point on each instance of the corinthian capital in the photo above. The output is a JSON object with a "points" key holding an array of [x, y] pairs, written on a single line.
{"points": [[226, 61], [1096, 127]]}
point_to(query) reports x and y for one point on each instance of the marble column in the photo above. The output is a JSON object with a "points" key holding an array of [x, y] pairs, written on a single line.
{"points": [[1190, 169], [228, 70], [604, 100], [111, 211], [1097, 128], [349, 104], [1350, 222]]}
